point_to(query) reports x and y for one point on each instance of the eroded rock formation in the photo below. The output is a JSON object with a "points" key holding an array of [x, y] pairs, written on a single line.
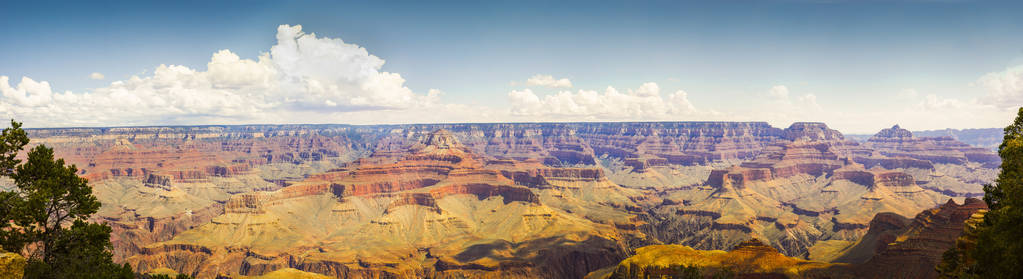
{"points": [[502, 200], [919, 247]]}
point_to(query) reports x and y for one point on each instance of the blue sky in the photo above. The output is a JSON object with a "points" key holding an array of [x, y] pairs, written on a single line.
{"points": [[857, 65]]}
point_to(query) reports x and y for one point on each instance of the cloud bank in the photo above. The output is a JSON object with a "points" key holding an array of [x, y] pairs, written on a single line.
{"points": [[305, 78], [643, 103], [1005, 87], [301, 73]]}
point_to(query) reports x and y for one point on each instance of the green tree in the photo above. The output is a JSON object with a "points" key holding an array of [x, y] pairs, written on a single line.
{"points": [[686, 272], [46, 214], [12, 141], [999, 251]]}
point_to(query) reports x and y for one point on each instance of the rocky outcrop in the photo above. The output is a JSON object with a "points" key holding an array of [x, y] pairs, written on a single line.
{"points": [[884, 229], [893, 134], [786, 160], [957, 260], [811, 131], [131, 233], [543, 177], [918, 247]]}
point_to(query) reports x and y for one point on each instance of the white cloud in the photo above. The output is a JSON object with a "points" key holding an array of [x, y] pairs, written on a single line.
{"points": [[1005, 88], [779, 108], [643, 103], [305, 78], [548, 81], [301, 73], [935, 112], [96, 76], [779, 92], [809, 101], [912, 110]]}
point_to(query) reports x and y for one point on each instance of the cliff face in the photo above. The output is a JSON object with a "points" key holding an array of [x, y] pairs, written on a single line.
{"points": [[495, 200], [918, 248]]}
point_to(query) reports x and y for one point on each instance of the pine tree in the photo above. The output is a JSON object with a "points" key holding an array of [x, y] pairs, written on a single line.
{"points": [[999, 250], [46, 214]]}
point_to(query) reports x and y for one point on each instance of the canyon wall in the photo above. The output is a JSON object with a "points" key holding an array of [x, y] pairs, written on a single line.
{"points": [[550, 200]]}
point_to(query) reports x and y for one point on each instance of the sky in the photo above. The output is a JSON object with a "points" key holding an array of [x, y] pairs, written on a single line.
{"points": [[858, 66]]}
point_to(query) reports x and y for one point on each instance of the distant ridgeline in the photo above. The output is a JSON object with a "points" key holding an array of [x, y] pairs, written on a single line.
{"points": [[988, 138], [518, 200]]}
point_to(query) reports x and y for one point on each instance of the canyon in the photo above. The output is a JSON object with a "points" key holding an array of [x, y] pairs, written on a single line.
{"points": [[894, 247], [506, 200]]}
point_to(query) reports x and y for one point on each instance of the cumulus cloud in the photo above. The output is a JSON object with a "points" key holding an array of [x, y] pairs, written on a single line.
{"points": [[301, 73], [779, 92], [96, 76], [1005, 88], [548, 81], [994, 105], [643, 103], [305, 78]]}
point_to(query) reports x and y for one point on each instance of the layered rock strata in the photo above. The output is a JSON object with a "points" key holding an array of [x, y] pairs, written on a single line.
{"points": [[439, 211], [207, 198]]}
